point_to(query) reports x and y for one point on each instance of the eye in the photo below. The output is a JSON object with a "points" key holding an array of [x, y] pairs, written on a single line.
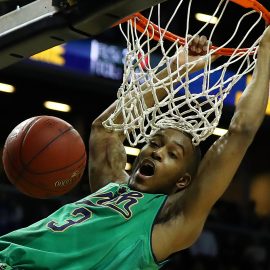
{"points": [[173, 155]]}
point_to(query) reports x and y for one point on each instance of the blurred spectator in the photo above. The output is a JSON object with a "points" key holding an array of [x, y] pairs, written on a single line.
{"points": [[11, 213], [205, 251], [254, 255], [260, 194], [206, 245]]}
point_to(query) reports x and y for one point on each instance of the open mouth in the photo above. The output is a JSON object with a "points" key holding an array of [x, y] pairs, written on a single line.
{"points": [[147, 168]]}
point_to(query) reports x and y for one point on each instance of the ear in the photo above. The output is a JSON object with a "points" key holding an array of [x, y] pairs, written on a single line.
{"points": [[183, 181]]}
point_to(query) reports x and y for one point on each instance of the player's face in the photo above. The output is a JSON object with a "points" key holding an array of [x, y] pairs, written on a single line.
{"points": [[160, 167]]}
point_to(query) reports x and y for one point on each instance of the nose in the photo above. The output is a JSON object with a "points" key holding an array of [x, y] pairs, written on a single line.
{"points": [[157, 155]]}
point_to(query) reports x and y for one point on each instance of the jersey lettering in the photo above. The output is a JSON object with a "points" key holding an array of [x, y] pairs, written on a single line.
{"points": [[81, 212], [120, 203]]}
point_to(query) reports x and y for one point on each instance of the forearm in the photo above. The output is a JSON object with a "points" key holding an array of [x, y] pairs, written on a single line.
{"points": [[169, 76], [158, 87], [148, 97], [251, 108]]}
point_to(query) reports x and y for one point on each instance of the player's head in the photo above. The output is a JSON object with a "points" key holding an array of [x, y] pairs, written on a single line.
{"points": [[166, 164]]}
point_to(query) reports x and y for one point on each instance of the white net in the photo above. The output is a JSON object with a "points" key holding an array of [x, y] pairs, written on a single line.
{"points": [[195, 112]]}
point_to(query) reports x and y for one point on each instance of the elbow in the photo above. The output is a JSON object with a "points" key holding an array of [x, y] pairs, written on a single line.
{"points": [[98, 127], [243, 126], [97, 123], [96, 133]]}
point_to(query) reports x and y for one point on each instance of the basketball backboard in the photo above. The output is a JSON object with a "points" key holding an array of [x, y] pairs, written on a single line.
{"points": [[42, 24]]}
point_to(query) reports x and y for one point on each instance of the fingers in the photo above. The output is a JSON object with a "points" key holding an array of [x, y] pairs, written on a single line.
{"points": [[198, 45]]}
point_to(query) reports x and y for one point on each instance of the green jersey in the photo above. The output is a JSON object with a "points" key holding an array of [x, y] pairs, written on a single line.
{"points": [[108, 230]]}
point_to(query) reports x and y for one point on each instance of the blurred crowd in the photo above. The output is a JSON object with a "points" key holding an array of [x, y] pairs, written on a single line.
{"points": [[232, 239]]}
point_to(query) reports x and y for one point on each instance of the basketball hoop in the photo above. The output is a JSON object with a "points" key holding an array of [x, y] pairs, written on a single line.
{"points": [[195, 113]]}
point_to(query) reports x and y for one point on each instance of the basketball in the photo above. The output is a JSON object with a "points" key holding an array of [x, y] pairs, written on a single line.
{"points": [[44, 157]]}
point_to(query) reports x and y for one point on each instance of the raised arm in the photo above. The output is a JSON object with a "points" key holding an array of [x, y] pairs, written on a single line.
{"points": [[107, 157], [222, 160], [224, 157]]}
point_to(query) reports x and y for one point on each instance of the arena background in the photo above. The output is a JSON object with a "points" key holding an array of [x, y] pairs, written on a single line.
{"points": [[86, 74]]}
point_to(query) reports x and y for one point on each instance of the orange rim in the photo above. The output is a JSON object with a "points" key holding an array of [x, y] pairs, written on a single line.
{"points": [[142, 22]]}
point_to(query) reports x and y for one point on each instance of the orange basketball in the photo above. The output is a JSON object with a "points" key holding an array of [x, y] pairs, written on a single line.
{"points": [[44, 157]]}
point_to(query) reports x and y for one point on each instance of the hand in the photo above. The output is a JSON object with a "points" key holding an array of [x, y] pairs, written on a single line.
{"points": [[197, 47]]}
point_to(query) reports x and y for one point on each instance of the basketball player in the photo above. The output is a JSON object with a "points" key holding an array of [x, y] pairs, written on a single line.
{"points": [[136, 222]]}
